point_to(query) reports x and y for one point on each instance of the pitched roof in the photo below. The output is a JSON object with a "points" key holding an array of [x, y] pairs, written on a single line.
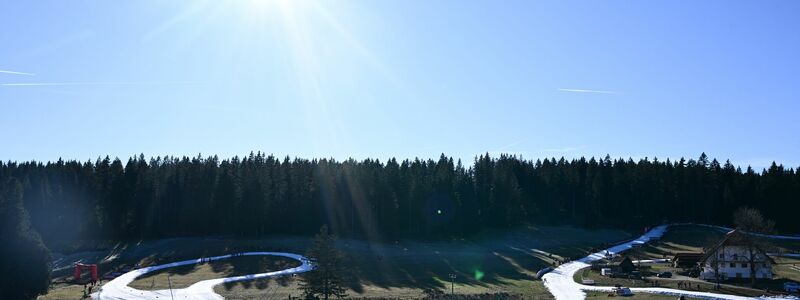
{"points": [[688, 255], [733, 238], [620, 259]]}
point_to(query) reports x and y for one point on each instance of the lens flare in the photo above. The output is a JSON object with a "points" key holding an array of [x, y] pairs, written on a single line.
{"points": [[478, 274]]}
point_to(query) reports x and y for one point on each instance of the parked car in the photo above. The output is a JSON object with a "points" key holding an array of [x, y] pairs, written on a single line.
{"points": [[623, 291], [664, 275], [791, 287]]}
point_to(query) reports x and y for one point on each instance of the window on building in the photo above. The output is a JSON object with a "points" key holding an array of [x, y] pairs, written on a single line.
{"points": [[721, 255], [735, 256], [733, 265], [744, 265]]}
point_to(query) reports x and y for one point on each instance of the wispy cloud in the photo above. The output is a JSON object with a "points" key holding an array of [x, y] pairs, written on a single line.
{"points": [[16, 73], [586, 91], [563, 150], [511, 145], [507, 149], [92, 83]]}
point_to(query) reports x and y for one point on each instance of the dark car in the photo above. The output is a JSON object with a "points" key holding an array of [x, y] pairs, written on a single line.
{"points": [[664, 275]]}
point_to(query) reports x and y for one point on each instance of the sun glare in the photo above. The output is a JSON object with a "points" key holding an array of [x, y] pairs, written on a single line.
{"points": [[262, 6]]}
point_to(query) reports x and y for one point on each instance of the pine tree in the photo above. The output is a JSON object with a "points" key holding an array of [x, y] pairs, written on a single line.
{"points": [[24, 260], [326, 278]]}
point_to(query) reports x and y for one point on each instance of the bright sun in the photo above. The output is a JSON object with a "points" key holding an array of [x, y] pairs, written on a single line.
{"points": [[259, 6]]}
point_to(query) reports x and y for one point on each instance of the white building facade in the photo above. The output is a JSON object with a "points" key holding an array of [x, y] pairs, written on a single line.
{"points": [[731, 259]]}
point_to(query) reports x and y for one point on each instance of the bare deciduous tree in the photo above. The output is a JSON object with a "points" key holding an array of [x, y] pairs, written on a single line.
{"points": [[750, 221]]}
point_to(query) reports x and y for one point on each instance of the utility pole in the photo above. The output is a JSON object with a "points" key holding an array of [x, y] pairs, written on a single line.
{"points": [[170, 288], [452, 287]]}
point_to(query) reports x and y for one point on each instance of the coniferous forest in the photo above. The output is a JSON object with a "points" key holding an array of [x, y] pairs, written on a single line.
{"points": [[427, 199]]}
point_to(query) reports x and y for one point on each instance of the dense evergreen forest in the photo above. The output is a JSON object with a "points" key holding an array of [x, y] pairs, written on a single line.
{"points": [[25, 261], [260, 194]]}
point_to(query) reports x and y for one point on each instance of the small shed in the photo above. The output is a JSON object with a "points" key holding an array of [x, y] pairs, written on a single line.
{"points": [[622, 264]]}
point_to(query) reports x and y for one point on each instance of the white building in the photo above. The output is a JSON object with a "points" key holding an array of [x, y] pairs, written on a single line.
{"points": [[734, 257]]}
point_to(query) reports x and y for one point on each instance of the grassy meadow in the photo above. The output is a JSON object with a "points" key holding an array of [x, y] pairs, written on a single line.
{"points": [[492, 262]]}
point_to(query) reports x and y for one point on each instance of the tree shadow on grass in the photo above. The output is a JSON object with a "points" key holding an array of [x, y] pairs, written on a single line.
{"points": [[231, 267], [490, 261], [249, 265], [426, 269], [692, 236], [495, 261]]}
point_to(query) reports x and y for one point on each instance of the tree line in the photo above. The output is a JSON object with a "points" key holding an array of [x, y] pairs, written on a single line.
{"points": [[260, 194]]}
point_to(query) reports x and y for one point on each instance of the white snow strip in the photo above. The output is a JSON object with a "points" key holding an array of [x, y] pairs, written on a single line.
{"points": [[652, 261], [119, 289]]}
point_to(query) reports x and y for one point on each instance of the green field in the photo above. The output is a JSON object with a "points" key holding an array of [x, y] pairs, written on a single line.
{"points": [[492, 263], [683, 238], [489, 263]]}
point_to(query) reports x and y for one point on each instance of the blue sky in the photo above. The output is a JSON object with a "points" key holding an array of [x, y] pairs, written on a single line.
{"points": [[82, 79]]}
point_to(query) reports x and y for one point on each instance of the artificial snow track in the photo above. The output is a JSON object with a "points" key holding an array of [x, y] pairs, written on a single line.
{"points": [[119, 289], [561, 284]]}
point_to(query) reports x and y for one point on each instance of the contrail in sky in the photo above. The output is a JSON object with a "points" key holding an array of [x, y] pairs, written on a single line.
{"points": [[587, 91], [565, 149], [16, 73], [88, 83]]}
